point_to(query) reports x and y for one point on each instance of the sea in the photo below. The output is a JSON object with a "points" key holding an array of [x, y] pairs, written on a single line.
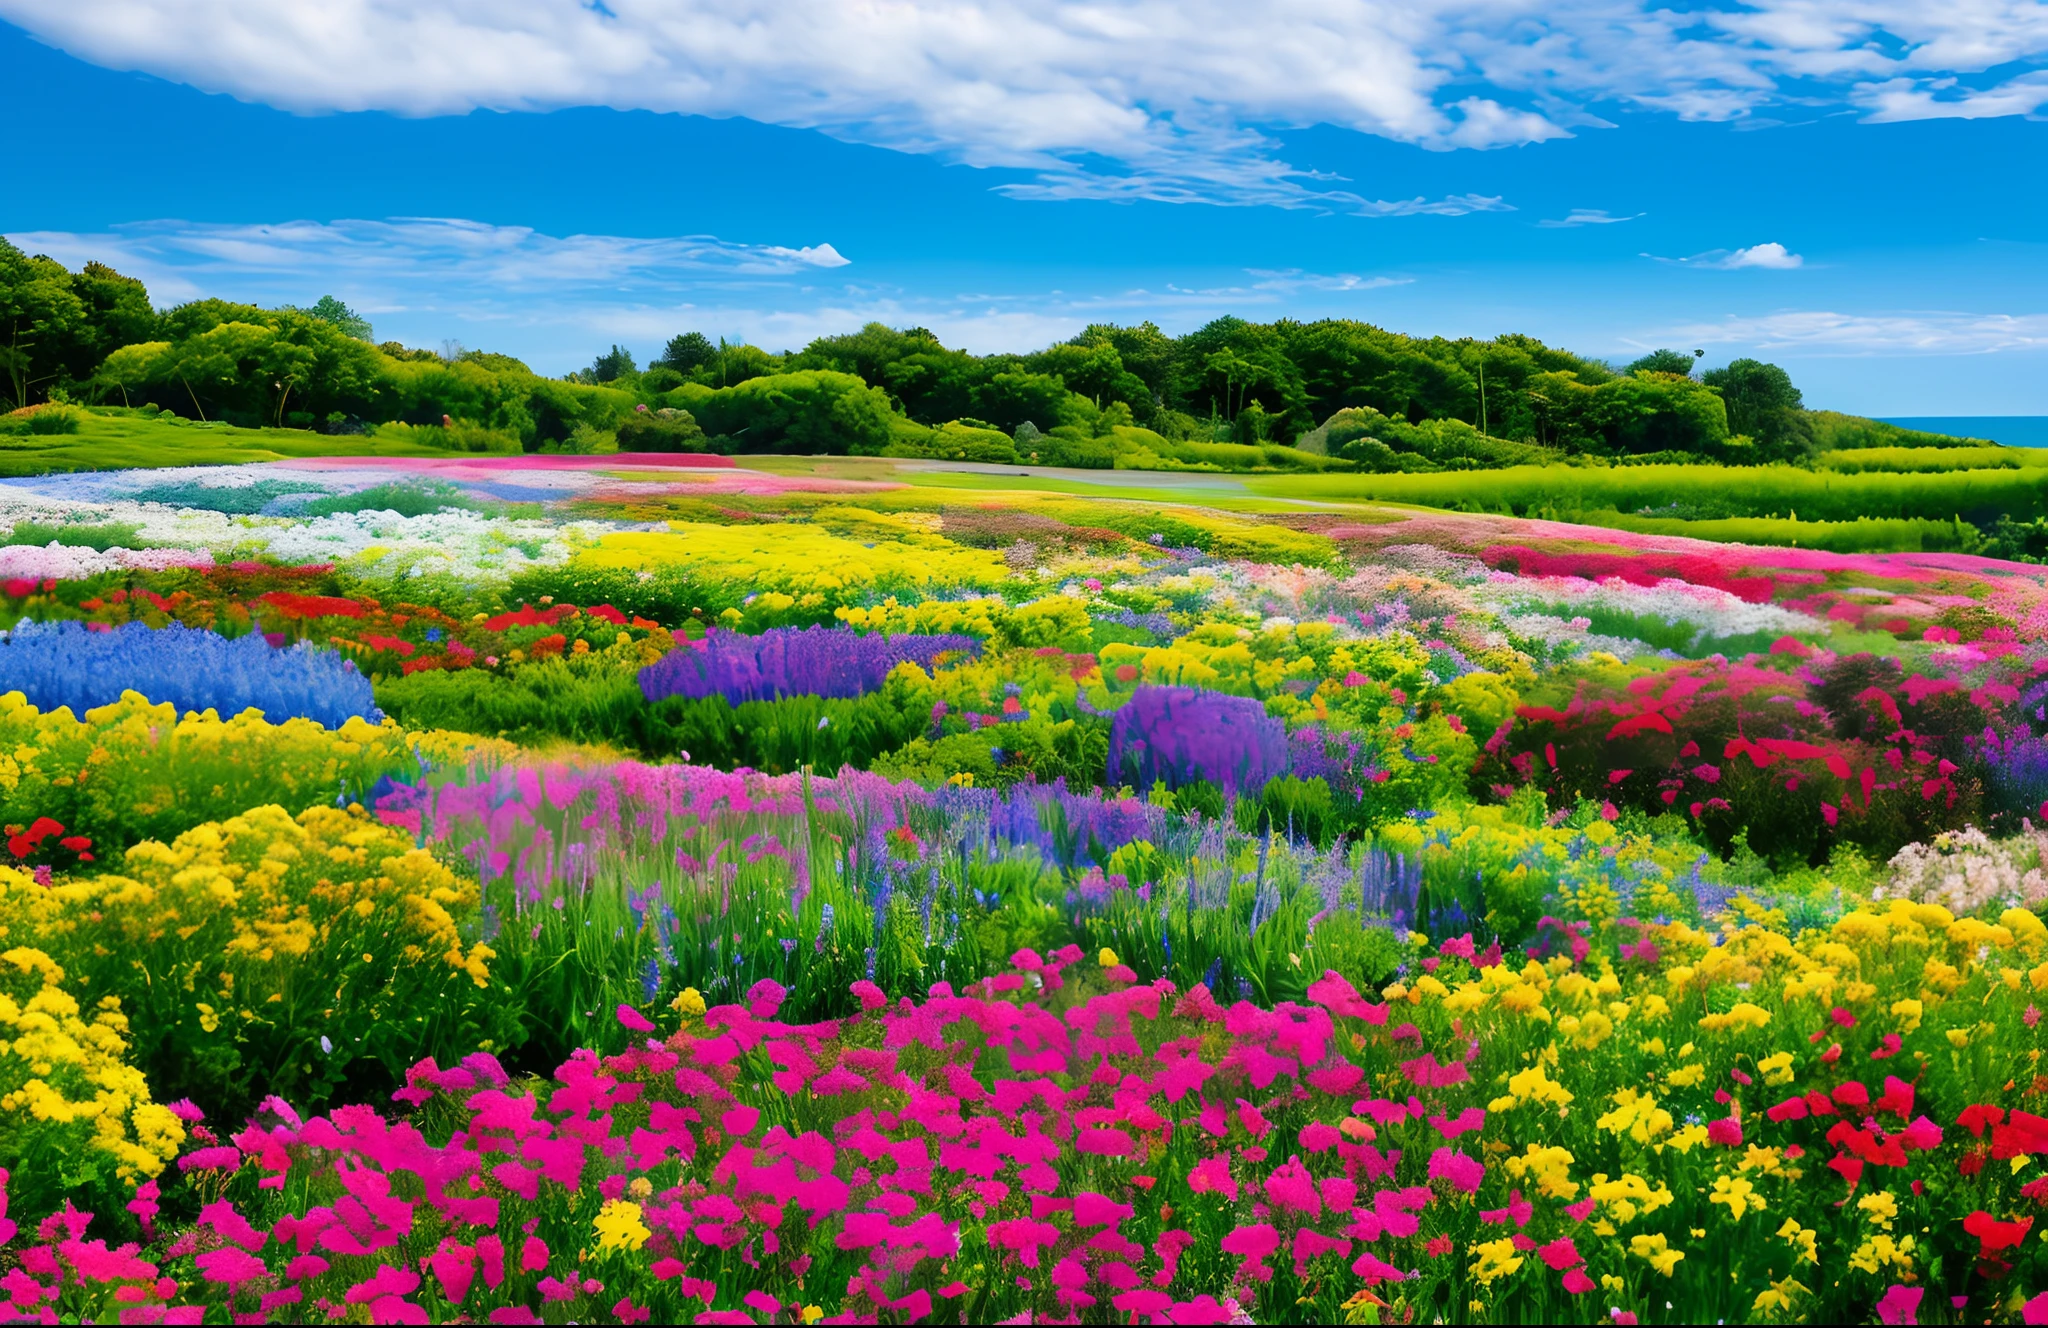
{"points": [[2012, 430]]}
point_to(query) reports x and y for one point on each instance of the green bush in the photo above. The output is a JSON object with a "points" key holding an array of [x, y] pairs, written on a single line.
{"points": [[664, 430], [406, 499], [815, 411], [107, 535]]}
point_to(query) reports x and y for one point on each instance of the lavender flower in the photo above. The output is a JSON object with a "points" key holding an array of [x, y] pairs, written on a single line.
{"points": [[1177, 735], [789, 661]]}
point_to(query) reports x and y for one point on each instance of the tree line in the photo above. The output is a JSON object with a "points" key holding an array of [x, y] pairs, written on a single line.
{"points": [[1333, 392]]}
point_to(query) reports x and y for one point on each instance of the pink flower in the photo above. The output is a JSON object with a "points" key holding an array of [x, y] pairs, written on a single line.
{"points": [[1725, 1131], [765, 997], [1471, 1118], [634, 1020], [1461, 1171], [871, 997], [1253, 1244], [1901, 1304], [230, 1265]]}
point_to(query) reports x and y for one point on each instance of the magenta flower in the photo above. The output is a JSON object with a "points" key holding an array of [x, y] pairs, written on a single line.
{"points": [[1900, 1304], [1461, 1171]]}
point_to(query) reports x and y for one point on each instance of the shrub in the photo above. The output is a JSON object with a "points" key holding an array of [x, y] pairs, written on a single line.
{"points": [[271, 954], [664, 430], [102, 536], [133, 771], [76, 1117]]}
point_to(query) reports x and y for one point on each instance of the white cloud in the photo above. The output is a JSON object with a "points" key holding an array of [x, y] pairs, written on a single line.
{"points": [[1823, 332], [1771, 256], [1585, 217], [288, 260], [551, 299], [1171, 92]]}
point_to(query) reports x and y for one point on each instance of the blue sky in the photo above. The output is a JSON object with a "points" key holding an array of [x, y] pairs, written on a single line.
{"points": [[1853, 191]]}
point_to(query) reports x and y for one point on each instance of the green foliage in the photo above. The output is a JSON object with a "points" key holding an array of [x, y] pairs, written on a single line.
{"points": [[102, 536], [344, 319], [596, 699], [1378, 443], [1761, 401], [664, 430], [804, 412], [1664, 362], [685, 352], [956, 441], [406, 499]]}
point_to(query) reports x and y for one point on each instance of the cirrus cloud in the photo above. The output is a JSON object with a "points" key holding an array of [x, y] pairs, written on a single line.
{"points": [[1825, 332]]}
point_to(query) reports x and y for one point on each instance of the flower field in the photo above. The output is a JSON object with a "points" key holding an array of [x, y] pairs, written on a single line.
{"points": [[570, 889]]}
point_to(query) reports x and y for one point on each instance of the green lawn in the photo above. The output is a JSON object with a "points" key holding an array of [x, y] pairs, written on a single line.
{"points": [[110, 442]]}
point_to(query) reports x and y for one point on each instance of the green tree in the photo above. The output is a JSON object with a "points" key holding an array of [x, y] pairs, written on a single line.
{"points": [[1009, 399], [342, 318], [1147, 353], [43, 323], [118, 313], [812, 411], [685, 352], [1761, 401], [614, 364], [1663, 361]]}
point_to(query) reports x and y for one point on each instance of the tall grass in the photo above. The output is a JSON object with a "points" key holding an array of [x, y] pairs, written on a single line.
{"points": [[1724, 491]]}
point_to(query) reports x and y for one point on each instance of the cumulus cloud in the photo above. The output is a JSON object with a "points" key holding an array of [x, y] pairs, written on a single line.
{"points": [[1172, 94], [1824, 332], [1771, 256], [1584, 217]]}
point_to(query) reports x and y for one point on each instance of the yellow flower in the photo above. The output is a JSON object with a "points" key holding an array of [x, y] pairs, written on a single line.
{"points": [[619, 1226], [1882, 1208], [1959, 1037], [1655, 1251], [1743, 1014], [1873, 1254], [1107, 958], [1779, 1297], [691, 1003], [1549, 1168], [1738, 1194], [208, 1018], [1497, 1258], [1776, 1069], [1636, 1115], [1686, 1077], [1802, 1239], [1761, 1159], [812, 1314]]}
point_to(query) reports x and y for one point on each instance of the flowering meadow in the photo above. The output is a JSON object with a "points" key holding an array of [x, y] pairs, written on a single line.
{"points": [[571, 889]]}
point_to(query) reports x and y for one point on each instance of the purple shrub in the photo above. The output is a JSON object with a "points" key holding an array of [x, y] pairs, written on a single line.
{"points": [[1177, 735], [789, 661]]}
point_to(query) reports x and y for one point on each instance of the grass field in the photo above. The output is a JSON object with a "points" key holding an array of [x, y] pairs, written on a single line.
{"points": [[111, 442]]}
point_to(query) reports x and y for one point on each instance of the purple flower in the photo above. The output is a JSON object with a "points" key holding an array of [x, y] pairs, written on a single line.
{"points": [[788, 661], [1177, 735]]}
